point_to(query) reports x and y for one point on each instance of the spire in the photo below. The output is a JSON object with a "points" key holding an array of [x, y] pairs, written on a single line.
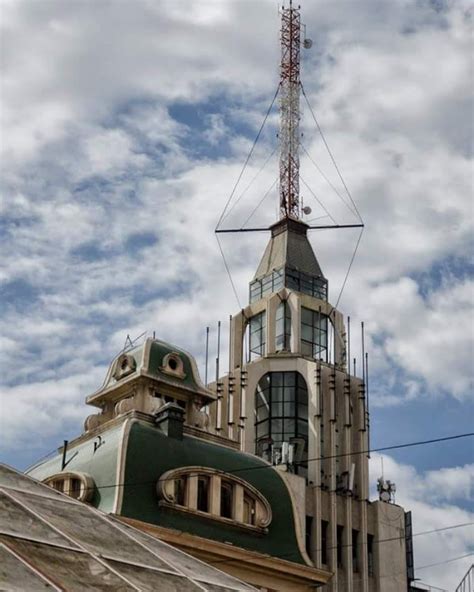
{"points": [[290, 112]]}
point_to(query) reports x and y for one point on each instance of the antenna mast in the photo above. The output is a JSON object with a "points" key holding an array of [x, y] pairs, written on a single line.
{"points": [[290, 112]]}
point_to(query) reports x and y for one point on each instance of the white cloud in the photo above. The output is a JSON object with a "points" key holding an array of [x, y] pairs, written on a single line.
{"points": [[93, 159]]}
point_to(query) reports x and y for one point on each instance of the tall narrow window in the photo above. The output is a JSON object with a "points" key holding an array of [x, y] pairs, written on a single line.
{"points": [[309, 529], [226, 499], [283, 327], [203, 494], [180, 491], [314, 334], [370, 553], [340, 532], [281, 414], [257, 336], [324, 541], [355, 551]]}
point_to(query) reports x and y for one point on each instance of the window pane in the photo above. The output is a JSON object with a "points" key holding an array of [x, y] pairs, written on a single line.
{"points": [[277, 393], [289, 409], [277, 427], [306, 316], [277, 408], [289, 427], [262, 413], [289, 378], [262, 429], [307, 333], [203, 494], [277, 379], [306, 348], [226, 499]]}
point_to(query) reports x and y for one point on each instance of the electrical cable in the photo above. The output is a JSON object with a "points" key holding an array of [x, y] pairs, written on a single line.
{"points": [[329, 152], [375, 542], [321, 458], [248, 156]]}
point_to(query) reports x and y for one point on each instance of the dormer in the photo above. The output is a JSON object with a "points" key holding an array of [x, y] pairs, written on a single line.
{"points": [[147, 377]]}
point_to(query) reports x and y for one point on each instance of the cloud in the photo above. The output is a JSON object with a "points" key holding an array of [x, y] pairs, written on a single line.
{"points": [[124, 130]]}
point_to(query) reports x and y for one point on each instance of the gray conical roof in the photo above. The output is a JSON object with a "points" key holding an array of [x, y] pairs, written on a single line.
{"points": [[289, 247]]}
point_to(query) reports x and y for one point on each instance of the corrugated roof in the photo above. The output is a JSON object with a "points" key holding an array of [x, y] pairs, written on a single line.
{"points": [[49, 541], [289, 246]]}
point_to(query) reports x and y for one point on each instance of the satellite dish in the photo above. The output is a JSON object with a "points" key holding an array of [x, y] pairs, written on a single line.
{"points": [[307, 210], [308, 43], [385, 496]]}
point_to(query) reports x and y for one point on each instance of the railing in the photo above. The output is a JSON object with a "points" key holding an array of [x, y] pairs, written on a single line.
{"points": [[467, 583]]}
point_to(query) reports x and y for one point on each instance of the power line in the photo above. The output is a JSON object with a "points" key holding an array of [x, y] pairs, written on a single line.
{"points": [[375, 542], [321, 458]]}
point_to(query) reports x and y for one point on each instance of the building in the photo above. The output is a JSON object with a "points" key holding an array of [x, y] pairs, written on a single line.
{"points": [[263, 473], [49, 541]]}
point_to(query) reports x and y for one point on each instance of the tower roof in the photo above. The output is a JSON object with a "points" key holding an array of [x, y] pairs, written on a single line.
{"points": [[289, 247]]}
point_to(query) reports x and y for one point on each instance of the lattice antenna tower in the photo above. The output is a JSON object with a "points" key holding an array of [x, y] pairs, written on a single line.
{"points": [[290, 37]]}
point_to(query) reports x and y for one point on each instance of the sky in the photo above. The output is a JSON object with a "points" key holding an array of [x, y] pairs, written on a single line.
{"points": [[125, 126]]}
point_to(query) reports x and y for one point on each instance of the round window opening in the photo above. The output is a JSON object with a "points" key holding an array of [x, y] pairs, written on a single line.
{"points": [[173, 363], [124, 364]]}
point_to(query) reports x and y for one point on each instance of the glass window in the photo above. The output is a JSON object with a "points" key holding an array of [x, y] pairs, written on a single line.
{"points": [[257, 336], [324, 541], [355, 542], [314, 329], [285, 419], [226, 499], [283, 327], [180, 491], [340, 532], [203, 494]]}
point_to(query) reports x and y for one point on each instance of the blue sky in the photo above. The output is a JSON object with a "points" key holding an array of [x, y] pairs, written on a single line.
{"points": [[124, 128]]}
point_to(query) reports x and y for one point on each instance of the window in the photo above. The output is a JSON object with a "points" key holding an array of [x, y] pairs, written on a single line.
{"points": [[76, 485], [257, 336], [180, 491], [314, 334], [272, 282], [249, 509], [370, 553], [281, 415], [324, 541], [226, 499], [339, 544], [283, 327], [309, 528], [211, 493], [355, 554], [203, 494]]}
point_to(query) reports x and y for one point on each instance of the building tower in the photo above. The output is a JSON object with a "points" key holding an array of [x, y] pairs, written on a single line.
{"points": [[290, 396], [263, 473]]}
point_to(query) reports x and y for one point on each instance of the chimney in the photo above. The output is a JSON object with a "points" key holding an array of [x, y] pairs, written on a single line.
{"points": [[170, 420]]}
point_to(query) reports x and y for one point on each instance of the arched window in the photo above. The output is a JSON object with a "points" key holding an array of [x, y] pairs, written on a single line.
{"points": [[216, 495], [281, 416], [257, 338], [76, 485], [317, 335]]}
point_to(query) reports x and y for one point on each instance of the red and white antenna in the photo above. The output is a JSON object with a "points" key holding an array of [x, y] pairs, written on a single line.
{"points": [[290, 37]]}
